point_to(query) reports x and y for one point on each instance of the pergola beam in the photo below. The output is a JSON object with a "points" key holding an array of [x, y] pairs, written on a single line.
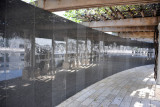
{"points": [[61, 5], [154, 12], [137, 35], [127, 29], [130, 12], [109, 15], [142, 13], [113, 11], [148, 21], [120, 14]]}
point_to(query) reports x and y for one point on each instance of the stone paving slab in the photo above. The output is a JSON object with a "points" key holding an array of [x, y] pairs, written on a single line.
{"points": [[134, 87]]}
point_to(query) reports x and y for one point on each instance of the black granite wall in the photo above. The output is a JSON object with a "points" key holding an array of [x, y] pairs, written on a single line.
{"points": [[45, 59]]}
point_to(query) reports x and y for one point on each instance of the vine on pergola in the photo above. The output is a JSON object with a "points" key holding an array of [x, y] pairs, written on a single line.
{"points": [[111, 13]]}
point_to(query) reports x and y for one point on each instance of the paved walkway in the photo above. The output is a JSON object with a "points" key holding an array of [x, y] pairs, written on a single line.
{"points": [[131, 88]]}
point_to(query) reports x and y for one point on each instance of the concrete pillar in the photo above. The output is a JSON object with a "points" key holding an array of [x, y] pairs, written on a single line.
{"points": [[158, 71], [40, 3], [53, 55], [66, 57], [66, 64], [85, 54], [32, 51], [27, 63], [77, 54], [32, 56]]}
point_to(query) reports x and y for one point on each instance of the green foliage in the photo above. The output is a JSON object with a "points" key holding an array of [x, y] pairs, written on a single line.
{"points": [[72, 15], [31, 2], [80, 15]]}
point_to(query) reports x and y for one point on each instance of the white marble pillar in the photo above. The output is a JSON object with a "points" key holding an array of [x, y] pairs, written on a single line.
{"points": [[158, 71]]}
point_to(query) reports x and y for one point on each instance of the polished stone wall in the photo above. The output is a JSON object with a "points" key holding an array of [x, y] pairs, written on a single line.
{"points": [[45, 59]]}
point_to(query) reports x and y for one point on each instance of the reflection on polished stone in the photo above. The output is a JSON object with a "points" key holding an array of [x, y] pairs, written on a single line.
{"points": [[45, 59]]}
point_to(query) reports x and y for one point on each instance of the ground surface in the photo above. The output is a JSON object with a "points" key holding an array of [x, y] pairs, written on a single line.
{"points": [[135, 87]]}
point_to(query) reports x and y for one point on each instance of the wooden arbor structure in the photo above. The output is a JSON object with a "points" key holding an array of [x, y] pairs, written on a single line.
{"points": [[131, 23], [138, 23]]}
